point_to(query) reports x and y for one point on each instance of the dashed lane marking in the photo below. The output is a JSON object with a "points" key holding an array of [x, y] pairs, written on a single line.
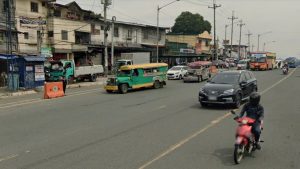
{"points": [[202, 130]]}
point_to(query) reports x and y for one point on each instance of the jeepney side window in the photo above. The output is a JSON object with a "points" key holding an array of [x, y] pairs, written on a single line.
{"points": [[135, 72]]}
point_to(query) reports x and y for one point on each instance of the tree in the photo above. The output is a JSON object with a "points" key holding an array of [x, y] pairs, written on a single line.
{"points": [[190, 24]]}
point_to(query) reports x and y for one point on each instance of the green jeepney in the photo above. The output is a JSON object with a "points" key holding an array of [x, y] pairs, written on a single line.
{"points": [[138, 76]]}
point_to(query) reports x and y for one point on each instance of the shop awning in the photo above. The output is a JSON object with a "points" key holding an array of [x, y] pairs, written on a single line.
{"points": [[5, 57], [34, 59]]}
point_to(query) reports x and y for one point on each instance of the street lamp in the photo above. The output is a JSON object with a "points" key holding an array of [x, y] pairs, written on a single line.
{"points": [[157, 32], [258, 37], [267, 43]]}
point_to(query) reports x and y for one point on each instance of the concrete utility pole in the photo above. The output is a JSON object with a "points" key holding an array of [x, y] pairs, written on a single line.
{"points": [[258, 37], [241, 24], [232, 19], [249, 44], [112, 39], [157, 27], [8, 25], [226, 26], [214, 7], [105, 3]]}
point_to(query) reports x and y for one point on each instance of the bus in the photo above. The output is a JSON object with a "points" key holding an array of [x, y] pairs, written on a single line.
{"points": [[262, 61], [138, 76]]}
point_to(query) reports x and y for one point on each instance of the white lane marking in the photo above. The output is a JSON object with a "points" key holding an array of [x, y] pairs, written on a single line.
{"points": [[25, 102], [212, 124], [277, 83], [182, 142], [8, 157]]}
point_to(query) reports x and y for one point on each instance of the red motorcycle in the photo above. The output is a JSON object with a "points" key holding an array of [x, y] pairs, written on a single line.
{"points": [[245, 140]]}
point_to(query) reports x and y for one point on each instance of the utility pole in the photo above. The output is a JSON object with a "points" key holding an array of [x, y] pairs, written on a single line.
{"points": [[105, 3], [258, 37], [249, 44], [8, 25], [226, 26], [214, 7], [112, 39], [241, 24], [232, 19]]}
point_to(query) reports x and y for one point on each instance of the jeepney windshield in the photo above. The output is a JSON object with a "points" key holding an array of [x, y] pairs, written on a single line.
{"points": [[124, 73], [57, 66]]}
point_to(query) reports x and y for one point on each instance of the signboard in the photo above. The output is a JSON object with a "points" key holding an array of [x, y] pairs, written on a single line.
{"points": [[39, 76], [39, 68], [46, 52], [187, 50], [29, 68], [257, 55], [32, 22]]}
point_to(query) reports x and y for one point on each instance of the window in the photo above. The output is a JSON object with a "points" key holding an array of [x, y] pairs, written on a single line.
{"points": [[135, 72], [145, 34], [129, 34], [34, 7], [116, 32], [5, 5], [26, 35], [242, 78], [38, 34], [102, 27], [50, 34], [64, 35], [248, 76], [200, 42], [206, 43], [1, 36], [57, 13], [43, 3]]}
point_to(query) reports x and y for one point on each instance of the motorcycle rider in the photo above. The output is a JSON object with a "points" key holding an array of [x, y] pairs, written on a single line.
{"points": [[286, 66], [255, 111]]}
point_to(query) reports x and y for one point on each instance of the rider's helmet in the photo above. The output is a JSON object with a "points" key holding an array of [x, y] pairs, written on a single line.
{"points": [[255, 99]]}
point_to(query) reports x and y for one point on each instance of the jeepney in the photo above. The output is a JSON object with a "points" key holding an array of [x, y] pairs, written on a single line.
{"points": [[197, 71], [138, 76]]}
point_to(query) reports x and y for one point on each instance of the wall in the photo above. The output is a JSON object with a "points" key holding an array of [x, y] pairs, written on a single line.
{"points": [[191, 40], [23, 9]]}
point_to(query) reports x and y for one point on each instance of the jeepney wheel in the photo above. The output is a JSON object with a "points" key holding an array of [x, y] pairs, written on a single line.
{"points": [[156, 84], [161, 84], [93, 78], [123, 88]]}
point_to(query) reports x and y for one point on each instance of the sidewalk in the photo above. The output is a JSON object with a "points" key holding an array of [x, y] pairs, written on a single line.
{"points": [[4, 92]]}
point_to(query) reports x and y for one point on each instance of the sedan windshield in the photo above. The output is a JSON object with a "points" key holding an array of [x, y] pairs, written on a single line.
{"points": [[224, 78], [175, 68]]}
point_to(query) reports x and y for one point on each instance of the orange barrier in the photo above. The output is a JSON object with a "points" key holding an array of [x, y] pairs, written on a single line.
{"points": [[213, 69], [53, 90]]}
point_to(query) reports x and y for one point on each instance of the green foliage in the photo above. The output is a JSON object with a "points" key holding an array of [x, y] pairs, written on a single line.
{"points": [[190, 24]]}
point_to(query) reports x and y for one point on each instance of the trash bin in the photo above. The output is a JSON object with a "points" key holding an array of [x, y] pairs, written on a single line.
{"points": [[13, 82]]}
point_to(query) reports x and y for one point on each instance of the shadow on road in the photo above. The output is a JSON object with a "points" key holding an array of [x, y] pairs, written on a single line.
{"points": [[225, 155]]}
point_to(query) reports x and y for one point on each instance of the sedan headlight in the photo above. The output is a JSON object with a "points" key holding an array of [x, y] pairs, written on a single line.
{"points": [[230, 91], [202, 91]]}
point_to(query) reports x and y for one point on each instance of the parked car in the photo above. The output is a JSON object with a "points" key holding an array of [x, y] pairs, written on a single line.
{"points": [[197, 71], [228, 87], [243, 64], [177, 72]]}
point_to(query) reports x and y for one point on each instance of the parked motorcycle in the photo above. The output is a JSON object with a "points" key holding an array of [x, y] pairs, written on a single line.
{"points": [[284, 70], [245, 140]]}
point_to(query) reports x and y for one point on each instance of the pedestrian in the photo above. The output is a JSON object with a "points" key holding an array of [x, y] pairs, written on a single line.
{"points": [[64, 81]]}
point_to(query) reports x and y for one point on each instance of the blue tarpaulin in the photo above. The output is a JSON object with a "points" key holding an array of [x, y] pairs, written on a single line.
{"points": [[3, 56]]}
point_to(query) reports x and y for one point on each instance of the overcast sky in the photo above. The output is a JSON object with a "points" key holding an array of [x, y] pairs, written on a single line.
{"points": [[260, 16]]}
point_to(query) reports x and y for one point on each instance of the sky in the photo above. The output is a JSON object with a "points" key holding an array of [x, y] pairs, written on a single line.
{"points": [[278, 17]]}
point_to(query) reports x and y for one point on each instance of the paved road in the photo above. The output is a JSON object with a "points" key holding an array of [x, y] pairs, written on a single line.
{"points": [[164, 128]]}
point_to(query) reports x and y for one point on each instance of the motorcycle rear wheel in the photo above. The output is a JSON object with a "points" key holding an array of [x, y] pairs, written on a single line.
{"points": [[238, 153]]}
